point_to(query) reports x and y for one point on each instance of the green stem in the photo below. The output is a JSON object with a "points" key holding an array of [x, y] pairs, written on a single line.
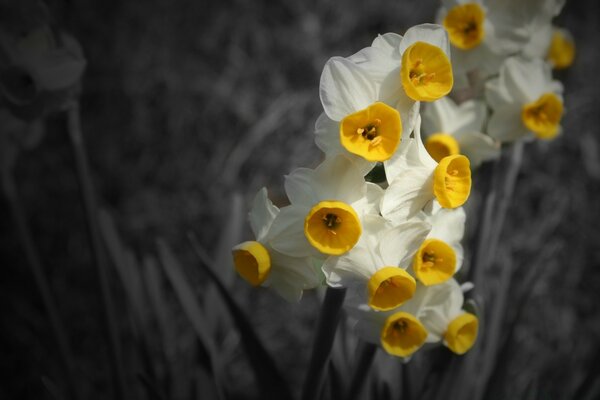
{"points": [[361, 371], [326, 328], [41, 281], [98, 254]]}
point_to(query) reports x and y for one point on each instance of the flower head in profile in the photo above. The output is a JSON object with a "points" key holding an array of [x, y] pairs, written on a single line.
{"points": [[371, 98], [415, 179], [376, 267], [452, 129], [440, 255], [259, 264], [326, 210], [525, 101]]}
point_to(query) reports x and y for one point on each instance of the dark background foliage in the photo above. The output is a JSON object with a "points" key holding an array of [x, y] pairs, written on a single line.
{"points": [[190, 107]]}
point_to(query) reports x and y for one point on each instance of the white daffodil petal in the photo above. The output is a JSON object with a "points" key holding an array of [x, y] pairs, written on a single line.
{"points": [[287, 232], [389, 43], [340, 179], [506, 125], [262, 214], [399, 244], [376, 62], [302, 187], [345, 88], [407, 194], [448, 225], [327, 135], [478, 147], [428, 33]]}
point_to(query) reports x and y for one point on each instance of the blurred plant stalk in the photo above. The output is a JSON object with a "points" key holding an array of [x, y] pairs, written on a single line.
{"points": [[41, 281], [98, 253], [480, 361], [329, 318]]}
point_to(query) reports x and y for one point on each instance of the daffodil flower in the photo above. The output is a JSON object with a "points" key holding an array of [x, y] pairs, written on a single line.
{"points": [[415, 179], [484, 32], [259, 264], [441, 254], [561, 52], [526, 102], [371, 99], [327, 206], [457, 129], [376, 267]]}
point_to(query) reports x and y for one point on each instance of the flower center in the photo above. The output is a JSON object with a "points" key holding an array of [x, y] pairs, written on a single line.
{"points": [[440, 145], [373, 133], [426, 72], [464, 24], [562, 50], [402, 334], [543, 116], [435, 262], [252, 261], [462, 333], [452, 181], [390, 287], [332, 227]]}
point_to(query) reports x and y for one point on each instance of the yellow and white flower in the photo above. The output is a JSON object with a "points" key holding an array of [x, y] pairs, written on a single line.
{"points": [[561, 51], [415, 179], [371, 98], [441, 254], [526, 102], [376, 267], [452, 129], [484, 32], [327, 206], [259, 264]]}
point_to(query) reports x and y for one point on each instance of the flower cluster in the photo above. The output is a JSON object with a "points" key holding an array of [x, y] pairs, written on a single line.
{"points": [[395, 245]]}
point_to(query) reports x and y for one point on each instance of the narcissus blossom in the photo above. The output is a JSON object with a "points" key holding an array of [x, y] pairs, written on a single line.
{"points": [[326, 211], [452, 129], [525, 100], [441, 254], [376, 267], [371, 97], [415, 179], [259, 264]]}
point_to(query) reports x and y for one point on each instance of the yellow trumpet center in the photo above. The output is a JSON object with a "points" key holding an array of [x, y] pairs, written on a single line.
{"points": [[435, 262], [402, 334], [373, 133], [440, 145], [452, 181], [543, 116], [332, 227], [252, 261], [464, 24], [426, 72], [462, 333], [390, 287], [562, 50]]}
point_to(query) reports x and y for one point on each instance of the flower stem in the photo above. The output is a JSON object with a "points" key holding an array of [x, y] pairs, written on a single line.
{"points": [[98, 254], [326, 328], [361, 371], [41, 281]]}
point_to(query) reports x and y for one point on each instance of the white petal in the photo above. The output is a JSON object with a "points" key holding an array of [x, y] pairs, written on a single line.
{"points": [[478, 147], [496, 93], [428, 33], [399, 244], [345, 88], [448, 225], [376, 62], [407, 194], [338, 178], [302, 187], [389, 43], [506, 125], [287, 233], [262, 214]]}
